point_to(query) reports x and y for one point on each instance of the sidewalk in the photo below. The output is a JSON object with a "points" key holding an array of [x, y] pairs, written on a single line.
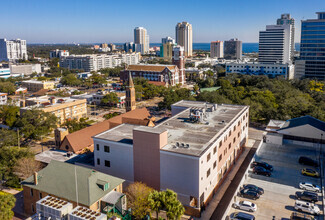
{"points": [[213, 204]]}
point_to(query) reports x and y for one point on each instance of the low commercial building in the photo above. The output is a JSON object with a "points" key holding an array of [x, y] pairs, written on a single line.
{"points": [[78, 141], [305, 130], [190, 153], [63, 108], [25, 69], [3, 98], [35, 85], [271, 70], [73, 184]]}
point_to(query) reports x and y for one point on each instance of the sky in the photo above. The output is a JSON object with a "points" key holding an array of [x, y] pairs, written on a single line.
{"points": [[113, 21]]}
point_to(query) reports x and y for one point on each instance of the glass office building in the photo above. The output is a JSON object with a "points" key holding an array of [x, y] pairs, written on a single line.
{"points": [[312, 46]]}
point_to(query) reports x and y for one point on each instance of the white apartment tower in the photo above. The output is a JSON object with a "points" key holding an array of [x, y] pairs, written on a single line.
{"points": [[141, 40], [286, 19], [275, 44], [12, 50], [184, 37], [216, 49]]}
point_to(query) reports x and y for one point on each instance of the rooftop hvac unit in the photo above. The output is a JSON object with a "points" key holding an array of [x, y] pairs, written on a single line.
{"points": [[52, 207], [83, 213]]}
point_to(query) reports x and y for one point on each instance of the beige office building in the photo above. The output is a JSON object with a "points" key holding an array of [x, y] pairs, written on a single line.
{"points": [[64, 108], [34, 85], [216, 49], [141, 40], [184, 37]]}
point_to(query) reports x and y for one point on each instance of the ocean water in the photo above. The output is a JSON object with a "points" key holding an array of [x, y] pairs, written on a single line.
{"points": [[247, 47]]}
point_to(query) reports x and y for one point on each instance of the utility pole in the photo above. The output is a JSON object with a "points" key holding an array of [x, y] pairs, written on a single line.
{"points": [[18, 138]]}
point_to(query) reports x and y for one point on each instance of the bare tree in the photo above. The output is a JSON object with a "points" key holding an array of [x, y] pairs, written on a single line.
{"points": [[26, 167]]}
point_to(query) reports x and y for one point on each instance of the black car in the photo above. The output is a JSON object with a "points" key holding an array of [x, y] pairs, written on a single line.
{"points": [[241, 216], [261, 171], [249, 194], [307, 196], [262, 164], [308, 161], [259, 190]]}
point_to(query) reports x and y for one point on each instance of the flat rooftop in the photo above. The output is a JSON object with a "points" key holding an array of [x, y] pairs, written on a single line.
{"points": [[37, 82], [184, 136], [58, 155], [45, 101]]}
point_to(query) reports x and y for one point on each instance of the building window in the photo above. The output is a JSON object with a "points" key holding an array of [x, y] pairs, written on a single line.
{"points": [[234, 140], [229, 146], [220, 144], [208, 157], [225, 151], [66, 147], [106, 149], [98, 161], [31, 192], [97, 145], [238, 123], [107, 163], [214, 164], [229, 133], [246, 124], [220, 157], [40, 195], [235, 128], [33, 210], [238, 134], [208, 172], [214, 150]]}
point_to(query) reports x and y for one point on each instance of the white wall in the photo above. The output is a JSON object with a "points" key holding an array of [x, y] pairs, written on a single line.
{"points": [[120, 157], [307, 131], [180, 173]]}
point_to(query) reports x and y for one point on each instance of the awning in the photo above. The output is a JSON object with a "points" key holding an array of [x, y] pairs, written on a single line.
{"points": [[112, 197]]}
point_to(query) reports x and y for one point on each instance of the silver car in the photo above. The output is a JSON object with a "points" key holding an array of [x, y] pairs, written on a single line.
{"points": [[245, 205], [309, 187]]}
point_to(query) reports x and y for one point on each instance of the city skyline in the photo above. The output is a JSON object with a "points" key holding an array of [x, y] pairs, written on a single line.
{"points": [[102, 21]]}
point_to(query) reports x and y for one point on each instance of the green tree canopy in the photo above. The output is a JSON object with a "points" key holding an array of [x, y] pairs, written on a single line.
{"points": [[8, 138], [7, 203], [110, 98], [7, 87], [70, 80], [9, 114]]}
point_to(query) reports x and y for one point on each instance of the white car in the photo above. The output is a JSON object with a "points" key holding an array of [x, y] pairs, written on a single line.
{"points": [[245, 205], [307, 207], [309, 187]]}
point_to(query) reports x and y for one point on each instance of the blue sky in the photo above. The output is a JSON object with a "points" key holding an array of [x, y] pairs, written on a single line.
{"points": [[89, 21]]}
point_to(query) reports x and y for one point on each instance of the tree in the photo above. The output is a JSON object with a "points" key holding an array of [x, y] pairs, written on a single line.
{"points": [[110, 99], [75, 125], [7, 87], [173, 207], [8, 138], [26, 167], [7, 203], [137, 195], [70, 80], [9, 114], [35, 123], [155, 201]]}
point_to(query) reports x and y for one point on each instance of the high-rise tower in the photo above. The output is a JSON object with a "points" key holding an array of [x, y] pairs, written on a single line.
{"points": [[286, 19], [184, 37], [130, 95], [141, 40]]}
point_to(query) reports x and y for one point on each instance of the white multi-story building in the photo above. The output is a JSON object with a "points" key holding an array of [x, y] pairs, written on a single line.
{"points": [[168, 40], [5, 73], [286, 19], [184, 37], [141, 39], [59, 53], [272, 70], [25, 69], [216, 49], [190, 153], [275, 44], [13, 50], [3, 98], [96, 62]]}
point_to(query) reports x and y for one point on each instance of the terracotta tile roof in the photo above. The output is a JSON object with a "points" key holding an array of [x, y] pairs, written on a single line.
{"points": [[151, 68], [83, 138]]}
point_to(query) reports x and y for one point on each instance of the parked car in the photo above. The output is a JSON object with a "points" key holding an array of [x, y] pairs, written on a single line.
{"points": [[308, 161], [309, 187], [307, 196], [262, 164], [249, 194], [261, 171], [259, 190], [300, 216], [241, 216], [245, 205], [307, 207], [309, 172]]}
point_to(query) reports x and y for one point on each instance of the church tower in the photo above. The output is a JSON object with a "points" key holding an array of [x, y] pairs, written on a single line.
{"points": [[130, 95]]}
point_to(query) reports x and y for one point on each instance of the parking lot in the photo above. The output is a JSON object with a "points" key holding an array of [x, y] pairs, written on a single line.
{"points": [[278, 199]]}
